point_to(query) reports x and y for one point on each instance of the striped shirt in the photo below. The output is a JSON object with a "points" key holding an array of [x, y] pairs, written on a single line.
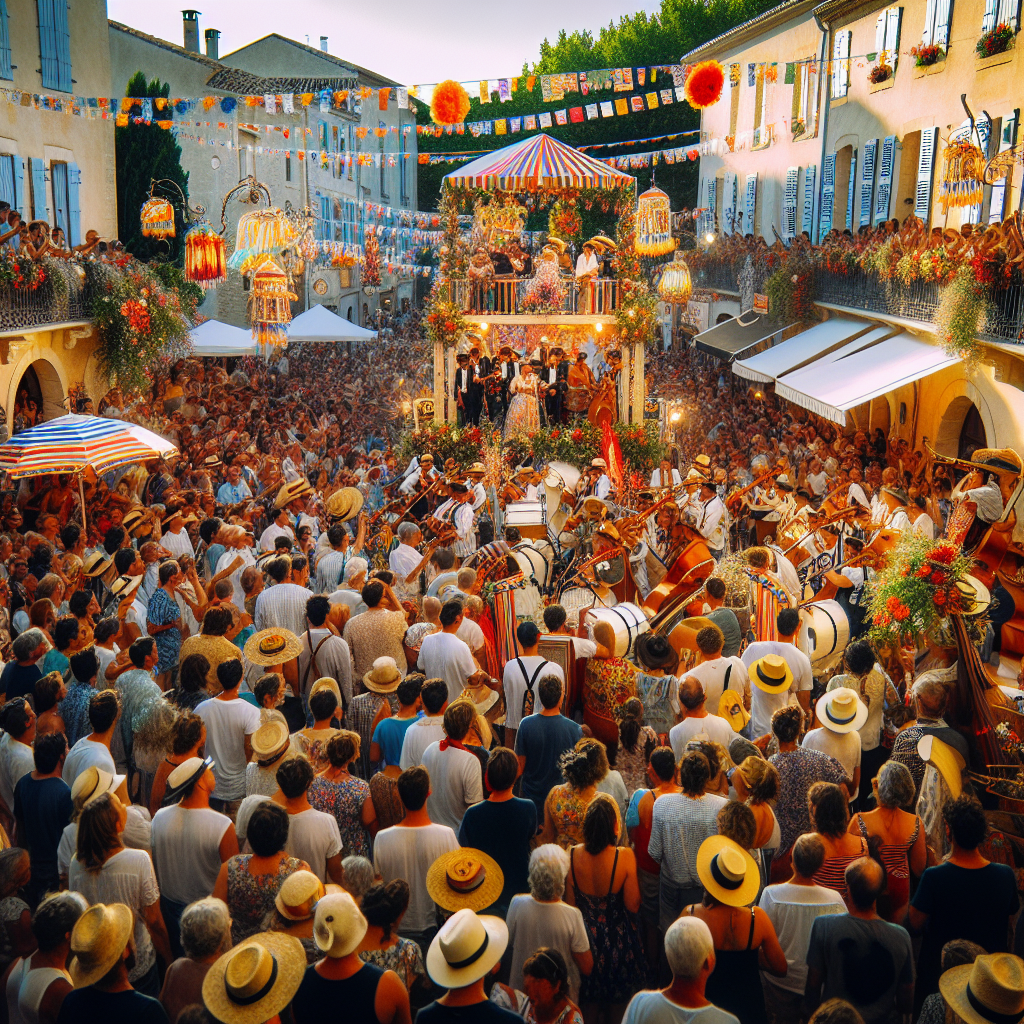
{"points": [[679, 825], [329, 570], [282, 606]]}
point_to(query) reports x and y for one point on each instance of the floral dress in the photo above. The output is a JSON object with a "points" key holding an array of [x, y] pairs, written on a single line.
{"points": [[313, 744], [251, 897], [344, 800], [632, 764], [567, 812], [404, 958], [523, 415], [608, 684]]}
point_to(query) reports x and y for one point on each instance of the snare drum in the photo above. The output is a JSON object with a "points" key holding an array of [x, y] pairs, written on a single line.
{"points": [[528, 518]]}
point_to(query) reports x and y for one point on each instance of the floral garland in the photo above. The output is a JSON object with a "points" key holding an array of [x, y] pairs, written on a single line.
{"points": [[453, 251], [636, 315], [565, 222], [445, 321], [961, 315], [578, 444], [20, 271], [444, 442]]}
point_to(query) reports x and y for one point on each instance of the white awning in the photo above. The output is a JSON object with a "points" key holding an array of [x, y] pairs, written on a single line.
{"points": [[740, 335], [215, 339], [801, 349], [832, 387], [318, 323]]}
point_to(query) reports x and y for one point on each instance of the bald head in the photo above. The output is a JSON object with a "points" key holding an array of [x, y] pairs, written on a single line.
{"points": [[431, 608], [865, 880], [691, 693]]}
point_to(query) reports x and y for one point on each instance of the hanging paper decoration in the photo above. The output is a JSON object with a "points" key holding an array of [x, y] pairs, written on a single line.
{"points": [[704, 83], [449, 103], [962, 166], [675, 286], [371, 263], [204, 256], [157, 218], [264, 230], [654, 224], [612, 453], [269, 304]]}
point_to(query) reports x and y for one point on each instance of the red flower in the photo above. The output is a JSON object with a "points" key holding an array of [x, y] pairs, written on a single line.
{"points": [[554, 435], [892, 604], [944, 553], [939, 598], [901, 612], [923, 573]]}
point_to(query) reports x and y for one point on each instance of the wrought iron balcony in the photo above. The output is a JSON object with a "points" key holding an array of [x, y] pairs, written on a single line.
{"points": [[508, 296], [51, 303]]}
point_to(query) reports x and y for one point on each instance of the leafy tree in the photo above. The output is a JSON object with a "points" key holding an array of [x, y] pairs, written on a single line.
{"points": [[144, 152]]}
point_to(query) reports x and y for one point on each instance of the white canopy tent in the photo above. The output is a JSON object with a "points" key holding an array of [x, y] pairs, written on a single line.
{"points": [[216, 339], [318, 323]]}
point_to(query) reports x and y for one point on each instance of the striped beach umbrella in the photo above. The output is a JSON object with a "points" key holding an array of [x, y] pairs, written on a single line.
{"points": [[538, 162]]}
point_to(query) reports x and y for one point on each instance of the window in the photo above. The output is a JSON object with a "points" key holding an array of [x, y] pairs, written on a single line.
{"points": [[867, 183], [807, 81], [1007, 140], [828, 192], [336, 148], [789, 202], [887, 36], [5, 43], [246, 153], [66, 215], [925, 174], [351, 148], [287, 167], [12, 181], [383, 169], [761, 130], [998, 12], [841, 64], [402, 168], [55, 45], [936, 23]]}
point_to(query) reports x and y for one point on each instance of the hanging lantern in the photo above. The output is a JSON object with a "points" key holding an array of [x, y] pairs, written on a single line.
{"points": [[654, 224], [675, 286], [269, 304], [204, 256], [157, 218], [962, 166], [264, 230]]}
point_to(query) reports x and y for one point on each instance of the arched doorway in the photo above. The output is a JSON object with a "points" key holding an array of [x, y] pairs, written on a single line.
{"points": [[41, 385], [972, 434]]}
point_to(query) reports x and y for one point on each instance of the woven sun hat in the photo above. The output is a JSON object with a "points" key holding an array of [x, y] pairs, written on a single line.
{"points": [[272, 647], [270, 740], [654, 651], [727, 871], [841, 710], [947, 761], [989, 990], [477, 469], [188, 772], [291, 491], [123, 584], [975, 597], [255, 980], [211, 462], [465, 949], [298, 896], [598, 464], [464, 879], [132, 518], [98, 941], [344, 504], [702, 463], [339, 925], [772, 673], [327, 683], [96, 564], [730, 707], [93, 782], [594, 506], [384, 677]]}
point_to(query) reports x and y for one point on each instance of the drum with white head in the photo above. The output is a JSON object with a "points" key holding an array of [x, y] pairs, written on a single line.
{"points": [[824, 633], [527, 517], [627, 620], [560, 482]]}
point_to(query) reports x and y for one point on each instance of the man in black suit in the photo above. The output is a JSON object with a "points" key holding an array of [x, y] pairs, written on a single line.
{"points": [[481, 368], [462, 389], [507, 367], [555, 381]]}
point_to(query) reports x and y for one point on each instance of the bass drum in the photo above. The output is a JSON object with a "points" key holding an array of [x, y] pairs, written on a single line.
{"points": [[627, 620], [824, 633], [535, 561]]}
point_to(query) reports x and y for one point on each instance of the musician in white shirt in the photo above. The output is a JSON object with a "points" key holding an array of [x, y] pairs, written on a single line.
{"points": [[665, 476], [458, 511], [476, 474], [710, 519], [424, 472]]}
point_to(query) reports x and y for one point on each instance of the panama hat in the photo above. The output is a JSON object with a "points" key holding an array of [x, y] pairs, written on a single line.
{"points": [[272, 647], [946, 759], [123, 584], [384, 677], [772, 673], [133, 518], [702, 463], [291, 491], [298, 896], [975, 597], [255, 980], [989, 990], [727, 871], [464, 878], [96, 564], [477, 469], [189, 518], [465, 949], [212, 462], [98, 941], [94, 782], [339, 925], [329, 684], [270, 741], [345, 504], [188, 772], [598, 464], [730, 707], [841, 710]]}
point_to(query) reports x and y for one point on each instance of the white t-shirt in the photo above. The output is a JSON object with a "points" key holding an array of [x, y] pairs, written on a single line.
{"points": [[532, 924], [649, 1007], [419, 736], [313, 836], [716, 729], [248, 558], [106, 659], [401, 852], [402, 561], [84, 754], [514, 684], [186, 851], [269, 536], [178, 544], [228, 722], [137, 835], [455, 784], [843, 746], [763, 705], [712, 676], [15, 761], [472, 634], [444, 656]]}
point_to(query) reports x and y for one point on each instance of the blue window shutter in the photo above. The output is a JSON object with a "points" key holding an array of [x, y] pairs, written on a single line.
{"points": [[7, 179], [867, 181], [38, 172], [807, 212], [74, 205], [789, 202], [925, 174], [750, 204], [47, 44], [1007, 140], [883, 197], [828, 194], [5, 43], [19, 185], [851, 191], [62, 35], [59, 183]]}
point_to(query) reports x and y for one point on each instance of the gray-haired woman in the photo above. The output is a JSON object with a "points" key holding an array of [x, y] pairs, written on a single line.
{"points": [[543, 918], [205, 935]]}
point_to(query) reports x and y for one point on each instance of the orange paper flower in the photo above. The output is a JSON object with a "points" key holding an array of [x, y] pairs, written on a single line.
{"points": [[449, 103], [704, 84]]}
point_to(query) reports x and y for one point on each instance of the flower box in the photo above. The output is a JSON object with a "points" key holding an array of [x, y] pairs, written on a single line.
{"points": [[882, 86], [930, 69], [980, 63]]}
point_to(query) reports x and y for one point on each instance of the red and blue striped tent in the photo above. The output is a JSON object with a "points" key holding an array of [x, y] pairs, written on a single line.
{"points": [[536, 163]]}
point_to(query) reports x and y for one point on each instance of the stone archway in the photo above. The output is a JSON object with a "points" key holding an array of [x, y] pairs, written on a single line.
{"points": [[963, 407], [38, 374]]}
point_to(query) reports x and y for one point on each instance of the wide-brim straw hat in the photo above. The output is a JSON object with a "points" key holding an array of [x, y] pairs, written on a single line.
{"points": [[465, 949], [292, 490], [947, 761], [299, 893], [384, 677], [327, 683], [93, 782], [98, 941], [771, 673], [339, 925], [727, 871], [841, 710], [477, 469], [96, 564], [989, 990], [654, 651], [123, 584], [975, 597], [730, 707], [344, 504], [270, 739], [272, 647], [256, 979], [465, 879]]}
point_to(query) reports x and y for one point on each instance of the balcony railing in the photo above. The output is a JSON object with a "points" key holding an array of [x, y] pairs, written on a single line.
{"points": [[508, 296], [48, 304]]}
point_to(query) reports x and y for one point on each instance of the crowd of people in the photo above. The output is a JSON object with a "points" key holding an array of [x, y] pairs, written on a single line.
{"points": [[263, 759]]}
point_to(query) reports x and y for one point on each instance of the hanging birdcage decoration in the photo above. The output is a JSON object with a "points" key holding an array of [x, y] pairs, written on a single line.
{"points": [[205, 263], [963, 164], [157, 218], [270, 304], [264, 230], [675, 286], [654, 223]]}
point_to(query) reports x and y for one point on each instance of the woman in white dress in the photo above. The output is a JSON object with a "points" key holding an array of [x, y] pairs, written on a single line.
{"points": [[524, 410]]}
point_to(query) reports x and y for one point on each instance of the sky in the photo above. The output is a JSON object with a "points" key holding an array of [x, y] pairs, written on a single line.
{"points": [[409, 41]]}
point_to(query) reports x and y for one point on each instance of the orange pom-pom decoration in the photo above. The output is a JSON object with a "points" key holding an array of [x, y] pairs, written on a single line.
{"points": [[704, 83], [449, 103]]}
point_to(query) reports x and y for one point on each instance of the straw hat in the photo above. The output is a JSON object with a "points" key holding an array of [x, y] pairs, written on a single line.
{"points": [[598, 464], [974, 595], [98, 941], [188, 772], [345, 504], [727, 871], [841, 710], [256, 979], [291, 491], [339, 925], [190, 518], [384, 677], [477, 469], [466, 948], [94, 782], [991, 989], [133, 518], [270, 741], [96, 564], [947, 760], [464, 879], [327, 683], [730, 707], [772, 673], [702, 463], [298, 896], [272, 647], [123, 584]]}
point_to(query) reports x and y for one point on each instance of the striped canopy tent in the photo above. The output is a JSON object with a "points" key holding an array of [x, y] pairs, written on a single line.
{"points": [[534, 164]]}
